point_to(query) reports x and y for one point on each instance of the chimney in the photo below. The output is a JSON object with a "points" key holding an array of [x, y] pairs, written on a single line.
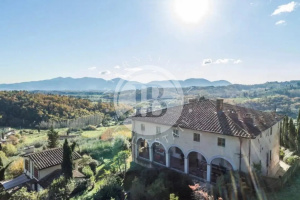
{"points": [[138, 111], [29, 149], [219, 105], [149, 111], [192, 100]]}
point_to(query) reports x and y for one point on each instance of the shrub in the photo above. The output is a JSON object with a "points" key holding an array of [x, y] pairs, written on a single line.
{"points": [[281, 154], [87, 171], [120, 143], [292, 159], [70, 130], [93, 165], [16, 168], [9, 150], [18, 135], [257, 167], [89, 128], [14, 140], [24, 195], [85, 160], [61, 188], [38, 144], [3, 156], [80, 186], [111, 189], [107, 134]]}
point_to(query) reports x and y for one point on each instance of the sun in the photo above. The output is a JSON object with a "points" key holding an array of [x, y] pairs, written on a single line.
{"points": [[191, 11]]}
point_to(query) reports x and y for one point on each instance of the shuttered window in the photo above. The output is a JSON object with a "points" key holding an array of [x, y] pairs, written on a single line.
{"points": [[36, 173]]}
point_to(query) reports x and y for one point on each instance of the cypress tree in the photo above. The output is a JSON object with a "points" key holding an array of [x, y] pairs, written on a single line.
{"points": [[298, 140], [67, 165], [292, 134], [281, 134], [285, 132], [298, 119], [52, 138]]}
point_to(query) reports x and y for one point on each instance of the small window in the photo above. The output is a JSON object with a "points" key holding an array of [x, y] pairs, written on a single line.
{"points": [[271, 131], [270, 155], [175, 133], [158, 130], [142, 127], [36, 173], [221, 142], [27, 165], [196, 137]]}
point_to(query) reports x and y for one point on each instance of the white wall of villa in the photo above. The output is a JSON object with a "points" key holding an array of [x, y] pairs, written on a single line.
{"points": [[255, 149]]}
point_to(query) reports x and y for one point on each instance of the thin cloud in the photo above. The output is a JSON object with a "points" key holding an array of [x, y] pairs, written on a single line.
{"points": [[237, 61], [286, 8], [134, 69], [280, 22], [117, 67], [92, 68], [221, 61], [207, 61], [106, 72]]}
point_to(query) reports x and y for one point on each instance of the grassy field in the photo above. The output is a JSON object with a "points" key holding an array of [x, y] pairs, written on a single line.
{"points": [[93, 134]]}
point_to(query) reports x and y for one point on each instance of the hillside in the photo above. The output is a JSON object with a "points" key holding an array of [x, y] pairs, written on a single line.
{"points": [[90, 84], [284, 97], [19, 108]]}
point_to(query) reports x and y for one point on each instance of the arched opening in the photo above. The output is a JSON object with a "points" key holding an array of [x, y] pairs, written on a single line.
{"points": [[197, 165], [143, 149], [159, 153], [219, 166], [176, 158]]}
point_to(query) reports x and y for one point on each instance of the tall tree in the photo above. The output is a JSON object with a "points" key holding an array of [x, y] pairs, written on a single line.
{"points": [[292, 134], [285, 131], [298, 119], [67, 165], [52, 138], [281, 134]]}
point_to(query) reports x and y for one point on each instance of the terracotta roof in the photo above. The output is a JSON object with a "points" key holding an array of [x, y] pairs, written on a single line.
{"points": [[50, 157], [203, 116], [47, 180]]}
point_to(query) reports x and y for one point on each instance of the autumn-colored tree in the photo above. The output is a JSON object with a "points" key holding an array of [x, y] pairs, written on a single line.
{"points": [[17, 167]]}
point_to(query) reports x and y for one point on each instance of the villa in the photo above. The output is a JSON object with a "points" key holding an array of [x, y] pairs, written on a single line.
{"points": [[207, 139]]}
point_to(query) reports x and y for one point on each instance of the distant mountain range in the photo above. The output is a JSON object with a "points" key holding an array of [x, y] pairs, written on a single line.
{"points": [[88, 84]]}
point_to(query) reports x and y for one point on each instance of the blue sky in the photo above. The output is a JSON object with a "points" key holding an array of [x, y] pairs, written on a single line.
{"points": [[239, 41]]}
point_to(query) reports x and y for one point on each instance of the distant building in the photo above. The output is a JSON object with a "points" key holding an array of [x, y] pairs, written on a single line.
{"points": [[208, 139], [41, 168]]}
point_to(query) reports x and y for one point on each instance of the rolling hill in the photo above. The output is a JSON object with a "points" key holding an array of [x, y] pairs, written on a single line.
{"points": [[89, 84]]}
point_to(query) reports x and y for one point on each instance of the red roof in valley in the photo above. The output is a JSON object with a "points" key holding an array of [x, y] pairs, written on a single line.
{"points": [[49, 157]]}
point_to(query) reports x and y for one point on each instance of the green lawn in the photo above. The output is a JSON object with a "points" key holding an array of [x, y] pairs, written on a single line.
{"points": [[93, 134]]}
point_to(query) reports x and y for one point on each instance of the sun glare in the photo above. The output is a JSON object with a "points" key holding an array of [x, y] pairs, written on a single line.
{"points": [[191, 11]]}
